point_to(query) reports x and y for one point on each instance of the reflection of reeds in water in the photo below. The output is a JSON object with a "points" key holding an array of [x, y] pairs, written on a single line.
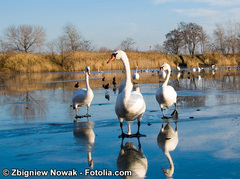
{"points": [[23, 91], [39, 81]]}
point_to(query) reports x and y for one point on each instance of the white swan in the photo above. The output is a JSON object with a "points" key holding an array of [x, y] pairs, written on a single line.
{"points": [[178, 68], [167, 140], [83, 96], [161, 73], [121, 86], [198, 68], [166, 95], [130, 105], [132, 159], [135, 75], [85, 136]]}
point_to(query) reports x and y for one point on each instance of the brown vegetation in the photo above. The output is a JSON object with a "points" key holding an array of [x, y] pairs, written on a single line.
{"points": [[76, 61]]}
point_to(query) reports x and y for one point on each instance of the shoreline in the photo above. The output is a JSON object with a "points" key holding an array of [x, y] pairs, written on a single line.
{"points": [[76, 61]]}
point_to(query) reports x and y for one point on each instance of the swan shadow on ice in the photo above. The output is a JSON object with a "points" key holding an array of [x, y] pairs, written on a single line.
{"points": [[85, 136], [167, 141], [132, 159]]}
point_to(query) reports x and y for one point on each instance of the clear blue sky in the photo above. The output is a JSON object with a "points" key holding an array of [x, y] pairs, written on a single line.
{"points": [[108, 22]]}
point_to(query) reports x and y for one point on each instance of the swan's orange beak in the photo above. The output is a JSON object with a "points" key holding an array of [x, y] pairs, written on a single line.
{"points": [[163, 169], [111, 59]]}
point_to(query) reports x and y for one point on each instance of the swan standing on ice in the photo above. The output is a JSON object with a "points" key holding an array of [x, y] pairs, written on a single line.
{"points": [[167, 140], [166, 95], [135, 75], [130, 105], [83, 96]]}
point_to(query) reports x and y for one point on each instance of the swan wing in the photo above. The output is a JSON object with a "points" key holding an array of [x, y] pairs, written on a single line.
{"points": [[130, 108], [166, 96], [82, 97]]}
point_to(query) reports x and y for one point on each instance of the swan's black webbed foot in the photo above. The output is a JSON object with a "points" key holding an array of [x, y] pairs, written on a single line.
{"points": [[165, 117], [138, 135], [123, 135], [174, 114], [86, 115], [82, 116], [78, 117]]}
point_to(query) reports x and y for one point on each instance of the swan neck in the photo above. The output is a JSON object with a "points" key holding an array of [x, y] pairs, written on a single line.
{"points": [[167, 154], [127, 70], [89, 156], [87, 81], [167, 78]]}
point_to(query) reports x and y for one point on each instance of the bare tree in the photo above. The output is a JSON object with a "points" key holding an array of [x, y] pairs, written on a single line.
{"points": [[174, 42], [61, 46], [24, 38], [127, 44], [191, 34], [2, 46], [73, 37], [203, 39], [226, 38], [87, 45], [238, 37], [220, 37], [104, 49], [158, 48], [232, 35]]}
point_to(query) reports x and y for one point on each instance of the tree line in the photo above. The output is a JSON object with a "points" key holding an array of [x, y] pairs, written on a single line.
{"points": [[186, 38]]}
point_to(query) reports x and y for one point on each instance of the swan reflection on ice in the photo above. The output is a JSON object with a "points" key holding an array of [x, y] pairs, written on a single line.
{"points": [[85, 136], [167, 140], [132, 159]]}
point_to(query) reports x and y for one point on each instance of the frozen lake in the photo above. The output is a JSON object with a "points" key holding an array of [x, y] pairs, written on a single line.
{"points": [[37, 132]]}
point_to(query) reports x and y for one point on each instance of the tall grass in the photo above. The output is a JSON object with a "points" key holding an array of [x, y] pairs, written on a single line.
{"points": [[76, 61]]}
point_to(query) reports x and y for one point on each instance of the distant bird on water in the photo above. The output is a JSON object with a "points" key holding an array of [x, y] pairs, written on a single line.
{"points": [[76, 85], [178, 68], [114, 81], [135, 75], [106, 87]]}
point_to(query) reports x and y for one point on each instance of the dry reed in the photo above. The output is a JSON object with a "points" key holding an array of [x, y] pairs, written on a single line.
{"points": [[76, 61]]}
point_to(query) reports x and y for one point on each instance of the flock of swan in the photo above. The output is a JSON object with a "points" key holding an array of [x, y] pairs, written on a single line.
{"points": [[130, 105]]}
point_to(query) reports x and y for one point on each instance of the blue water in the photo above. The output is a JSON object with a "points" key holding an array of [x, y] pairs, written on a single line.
{"points": [[37, 131]]}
